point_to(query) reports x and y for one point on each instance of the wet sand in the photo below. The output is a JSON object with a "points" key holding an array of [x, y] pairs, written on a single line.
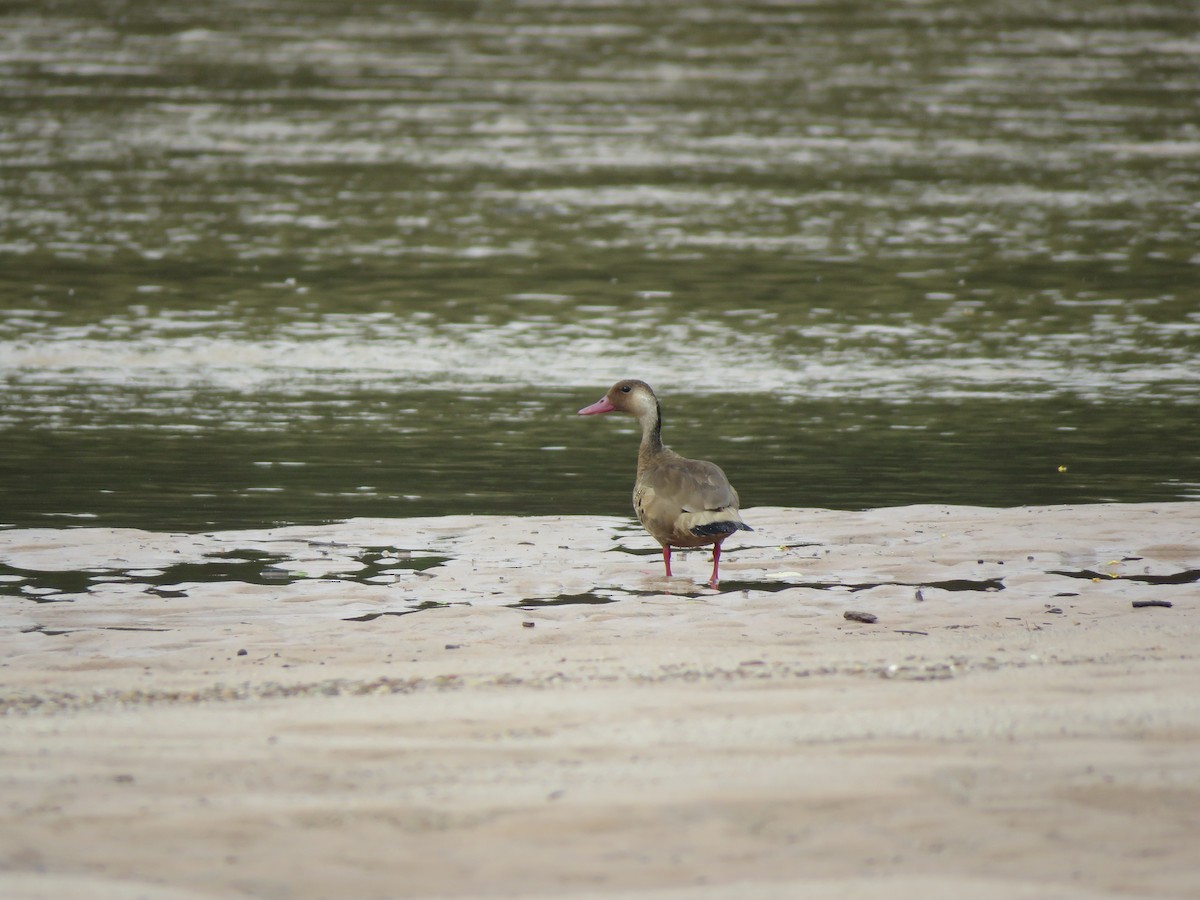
{"points": [[543, 714]]}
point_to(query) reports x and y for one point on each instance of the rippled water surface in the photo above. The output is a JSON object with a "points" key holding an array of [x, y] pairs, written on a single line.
{"points": [[296, 261]]}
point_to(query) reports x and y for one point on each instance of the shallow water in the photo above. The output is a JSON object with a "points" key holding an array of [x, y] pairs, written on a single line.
{"points": [[281, 262]]}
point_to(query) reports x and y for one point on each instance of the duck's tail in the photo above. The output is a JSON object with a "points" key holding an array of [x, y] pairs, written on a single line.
{"points": [[716, 529]]}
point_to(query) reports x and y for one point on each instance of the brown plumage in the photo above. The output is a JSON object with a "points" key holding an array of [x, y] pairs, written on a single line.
{"points": [[682, 502]]}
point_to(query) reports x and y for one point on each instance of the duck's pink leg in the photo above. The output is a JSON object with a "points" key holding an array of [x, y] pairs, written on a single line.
{"points": [[712, 582], [667, 558]]}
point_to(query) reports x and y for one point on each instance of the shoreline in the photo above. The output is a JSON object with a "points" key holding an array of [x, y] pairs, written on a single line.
{"points": [[1009, 725]]}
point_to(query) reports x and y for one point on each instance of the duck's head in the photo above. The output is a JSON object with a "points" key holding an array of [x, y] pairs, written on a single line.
{"points": [[630, 396]]}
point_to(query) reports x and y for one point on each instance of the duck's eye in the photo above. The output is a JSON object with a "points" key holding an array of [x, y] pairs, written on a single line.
{"points": [[625, 389]]}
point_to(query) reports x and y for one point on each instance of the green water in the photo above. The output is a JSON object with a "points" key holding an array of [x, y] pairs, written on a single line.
{"points": [[293, 262]]}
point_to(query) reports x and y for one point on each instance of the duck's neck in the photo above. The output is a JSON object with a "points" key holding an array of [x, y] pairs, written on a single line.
{"points": [[652, 445]]}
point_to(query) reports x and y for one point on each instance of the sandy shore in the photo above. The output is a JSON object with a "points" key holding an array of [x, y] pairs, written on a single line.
{"points": [[476, 707]]}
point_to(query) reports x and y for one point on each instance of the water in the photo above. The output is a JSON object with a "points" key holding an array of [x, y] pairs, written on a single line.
{"points": [[296, 261]]}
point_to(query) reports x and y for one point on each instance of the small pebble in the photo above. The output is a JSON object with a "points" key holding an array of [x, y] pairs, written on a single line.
{"points": [[855, 616], [527, 624]]}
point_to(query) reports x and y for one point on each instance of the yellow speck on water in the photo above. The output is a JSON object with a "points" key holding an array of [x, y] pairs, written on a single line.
{"points": [[1062, 468]]}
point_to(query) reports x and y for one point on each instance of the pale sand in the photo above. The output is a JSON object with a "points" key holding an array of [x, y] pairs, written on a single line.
{"points": [[1042, 740]]}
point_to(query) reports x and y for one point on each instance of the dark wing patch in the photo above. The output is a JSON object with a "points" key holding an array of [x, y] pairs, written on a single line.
{"points": [[718, 528]]}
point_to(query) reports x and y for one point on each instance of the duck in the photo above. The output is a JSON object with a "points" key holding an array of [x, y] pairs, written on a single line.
{"points": [[680, 502]]}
